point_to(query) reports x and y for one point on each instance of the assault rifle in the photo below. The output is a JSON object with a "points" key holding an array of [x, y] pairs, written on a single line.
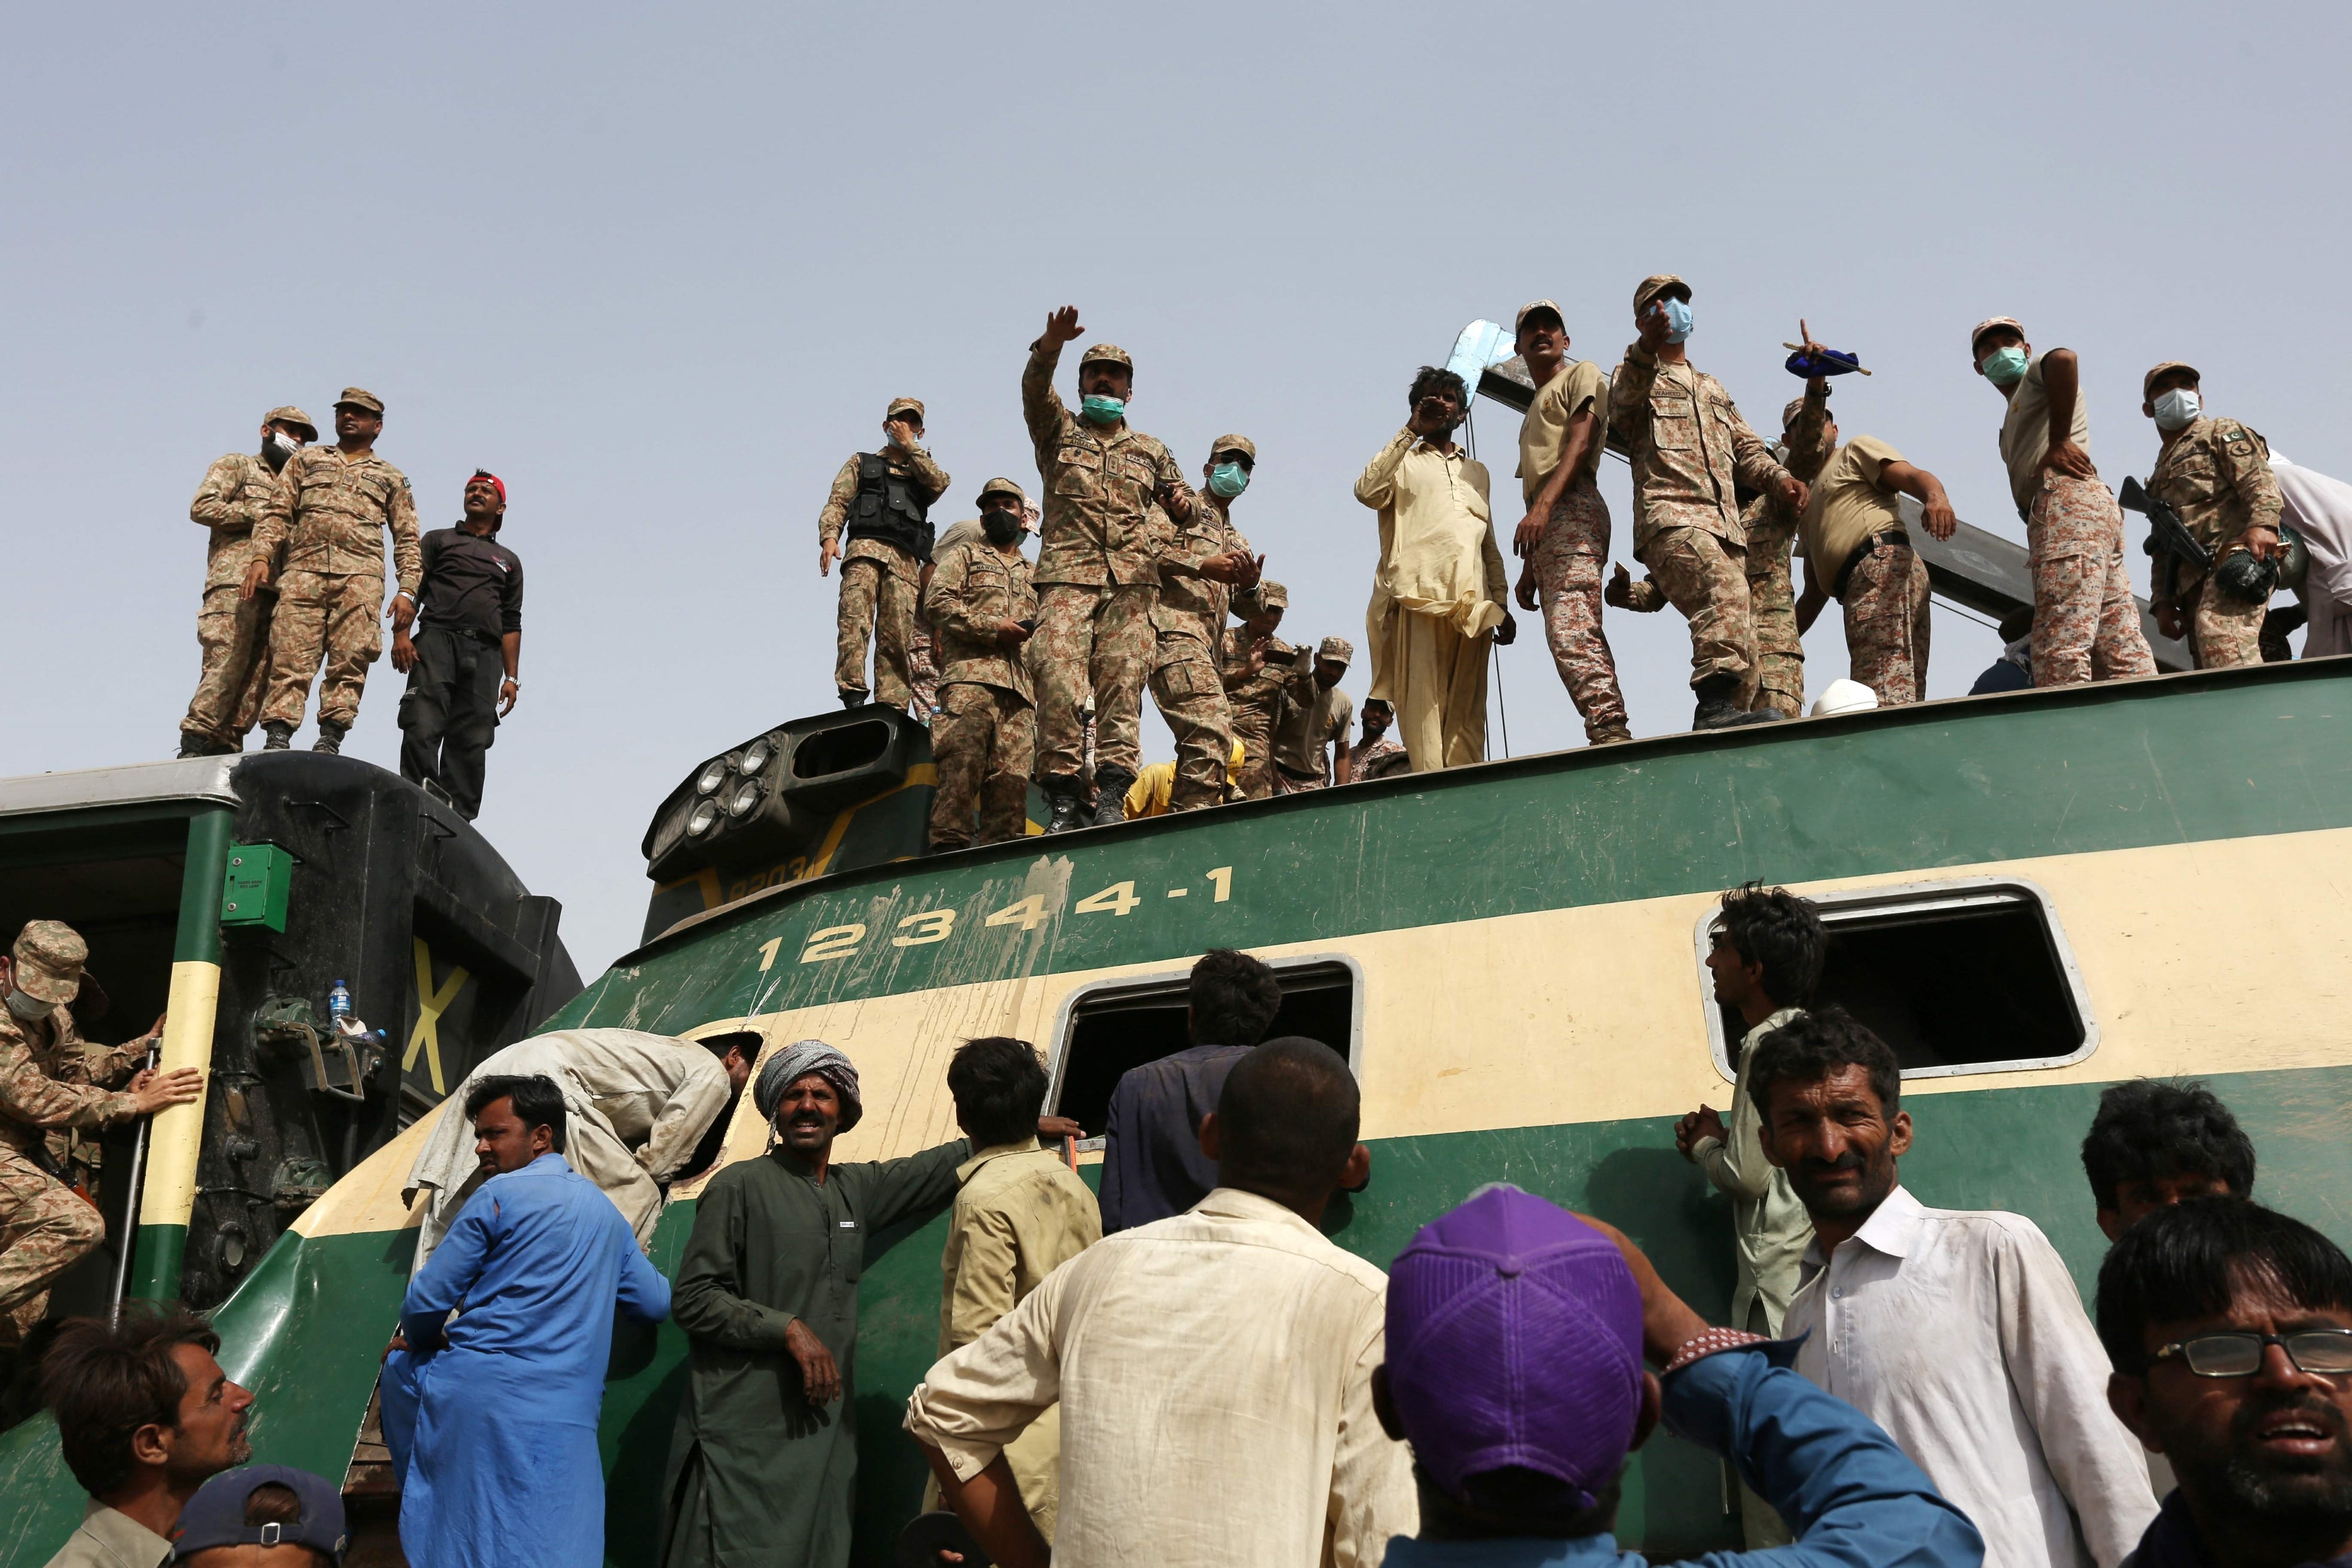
{"points": [[2167, 534]]}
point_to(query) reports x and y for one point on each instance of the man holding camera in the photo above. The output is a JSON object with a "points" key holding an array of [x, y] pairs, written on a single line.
{"points": [[2215, 474]]}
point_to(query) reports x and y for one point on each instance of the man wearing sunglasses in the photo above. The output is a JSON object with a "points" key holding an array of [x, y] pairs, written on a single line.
{"points": [[1958, 1331], [2230, 1330]]}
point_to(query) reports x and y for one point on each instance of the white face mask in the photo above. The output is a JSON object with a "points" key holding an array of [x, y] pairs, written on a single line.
{"points": [[2177, 409], [32, 1009], [282, 444]]}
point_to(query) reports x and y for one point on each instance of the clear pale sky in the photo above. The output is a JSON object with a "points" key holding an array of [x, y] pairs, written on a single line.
{"points": [[663, 268]]}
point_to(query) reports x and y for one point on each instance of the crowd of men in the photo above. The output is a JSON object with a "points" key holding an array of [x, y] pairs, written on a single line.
{"points": [[1189, 1361], [1036, 671], [294, 581]]}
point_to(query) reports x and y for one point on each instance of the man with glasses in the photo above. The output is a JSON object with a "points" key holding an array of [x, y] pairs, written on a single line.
{"points": [[882, 502], [2230, 1330], [1957, 1331]]}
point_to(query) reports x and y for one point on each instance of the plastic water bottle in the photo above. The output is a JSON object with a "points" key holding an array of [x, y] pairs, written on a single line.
{"points": [[338, 1005]]}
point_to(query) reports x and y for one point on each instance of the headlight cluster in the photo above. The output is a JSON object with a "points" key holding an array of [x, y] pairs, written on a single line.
{"points": [[731, 786]]}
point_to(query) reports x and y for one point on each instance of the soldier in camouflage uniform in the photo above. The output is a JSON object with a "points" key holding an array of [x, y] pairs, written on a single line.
{"points": [[983, 608], [1258, 667], [1113, 499], [1690, 451], [320, 538], [1189, 626], [882, 502], [1564, 537], [1770, 523], [2086, 623], [2216, 474], [1859, 550], [52, 1086], [1316, 718], [233, 630]]}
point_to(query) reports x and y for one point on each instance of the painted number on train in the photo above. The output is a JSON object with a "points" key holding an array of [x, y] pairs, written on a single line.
{"points": [[1022, 914]]}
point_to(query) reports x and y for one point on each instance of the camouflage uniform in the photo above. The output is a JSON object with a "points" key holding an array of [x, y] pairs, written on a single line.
{"points": [[1690, 450], [323, 530], [1779, 682], [2217, 474], [986, 732], [879, 582], [1097, 573], [2085, 624], [922, 671], [52, 1086], [1377, 759], [1313, 717], [1567, 562], [1255, 699], [232, 632], [1885, 605], [1187, 682]]}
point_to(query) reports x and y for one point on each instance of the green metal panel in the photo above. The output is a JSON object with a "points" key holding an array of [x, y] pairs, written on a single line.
{"points": [[255, 892], [199, 939]]}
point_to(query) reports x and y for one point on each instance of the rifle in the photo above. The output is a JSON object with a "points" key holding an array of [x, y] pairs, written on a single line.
{"points": [[2167, 534]]}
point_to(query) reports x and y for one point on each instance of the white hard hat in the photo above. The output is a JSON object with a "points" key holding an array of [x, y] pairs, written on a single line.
{"points": [[1846, 697]]}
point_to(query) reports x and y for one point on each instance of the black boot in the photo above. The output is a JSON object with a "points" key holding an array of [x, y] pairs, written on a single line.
{"points": [[278, 735], [330, 738], [1111, 786], [1719, 705], [1064, 794], [853, 700], [194, 745]]}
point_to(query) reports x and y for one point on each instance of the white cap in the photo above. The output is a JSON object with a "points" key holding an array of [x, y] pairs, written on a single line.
{"points": [[1846, 697]]}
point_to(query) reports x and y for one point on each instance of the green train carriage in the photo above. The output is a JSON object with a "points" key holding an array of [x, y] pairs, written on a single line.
{"points": [[2031, 895]]}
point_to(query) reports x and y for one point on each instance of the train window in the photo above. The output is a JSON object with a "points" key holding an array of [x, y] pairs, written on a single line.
{"points": [[1106, 1030], [1964, 976]]}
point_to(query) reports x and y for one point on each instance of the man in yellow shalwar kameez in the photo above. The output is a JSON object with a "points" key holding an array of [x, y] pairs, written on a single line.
{"points": [[1440, 592]]}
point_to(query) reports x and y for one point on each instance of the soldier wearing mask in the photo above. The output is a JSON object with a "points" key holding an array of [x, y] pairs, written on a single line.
{"points": [[2085, 626], [881, 503], [1189, 624], [1111, 495], [1259, 666], [327, 519], [1690, 451], [232, 629], [464, 668], [982, 608], [53, 1086], [2216, 474]]}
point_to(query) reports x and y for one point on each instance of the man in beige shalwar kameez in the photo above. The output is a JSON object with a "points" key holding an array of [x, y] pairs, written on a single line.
{"points": [[1440, 592]]}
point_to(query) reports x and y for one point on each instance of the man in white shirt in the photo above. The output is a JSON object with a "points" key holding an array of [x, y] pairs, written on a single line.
{"points": [[1958, 1331], [1215, 1369]]}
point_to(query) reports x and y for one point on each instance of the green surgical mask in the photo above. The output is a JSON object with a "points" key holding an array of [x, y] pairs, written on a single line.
{"points": [[1104, 410], [2005, 367], [1229, 479]]}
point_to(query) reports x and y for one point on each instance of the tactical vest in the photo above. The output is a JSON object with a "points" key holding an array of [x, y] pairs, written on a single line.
{"points": [[889, 507]]}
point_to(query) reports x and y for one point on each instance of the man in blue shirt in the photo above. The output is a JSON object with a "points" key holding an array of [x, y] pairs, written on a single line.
{"points": [[492, 1414], [1516, 1333]]}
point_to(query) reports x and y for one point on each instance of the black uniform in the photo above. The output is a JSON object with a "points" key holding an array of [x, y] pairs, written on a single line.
{"points": [[470, 600]]}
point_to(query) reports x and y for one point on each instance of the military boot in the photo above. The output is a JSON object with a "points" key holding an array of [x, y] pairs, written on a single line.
{"points": [[194, 745], [1064, 794], [1719, 706], [278, 735], [330, 738], [1111, 786], [853, 700]]}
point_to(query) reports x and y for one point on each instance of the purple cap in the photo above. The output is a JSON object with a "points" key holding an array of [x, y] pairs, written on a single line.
{"points": [[1515, 1341], [215, 1514]]}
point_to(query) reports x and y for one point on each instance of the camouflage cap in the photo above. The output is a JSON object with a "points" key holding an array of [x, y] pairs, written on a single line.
{"points": [[361, 397], [904, 404], [1655, 284], [2148, 382], [1268, 594], [1242, 444], [1789, 415], [49, 956], [1519, 321], [289, 415], [1002, 488], [1976, 336], [1111, 352], [1338, 650]]}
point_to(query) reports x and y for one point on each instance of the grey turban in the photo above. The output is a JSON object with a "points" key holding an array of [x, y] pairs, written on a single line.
{"points": [[798, 1060]]}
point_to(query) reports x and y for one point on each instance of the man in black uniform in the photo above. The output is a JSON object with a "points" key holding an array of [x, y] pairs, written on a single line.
{"points": [[882, 502], [461, 667]]}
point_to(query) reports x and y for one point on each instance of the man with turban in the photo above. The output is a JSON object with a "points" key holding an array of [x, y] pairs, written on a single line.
{"points": [[764, 1465]]}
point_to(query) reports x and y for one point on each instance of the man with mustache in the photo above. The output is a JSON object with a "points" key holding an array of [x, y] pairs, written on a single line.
{"points": [[2230, 1328], [1958, 1331], [763, 1463]]}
